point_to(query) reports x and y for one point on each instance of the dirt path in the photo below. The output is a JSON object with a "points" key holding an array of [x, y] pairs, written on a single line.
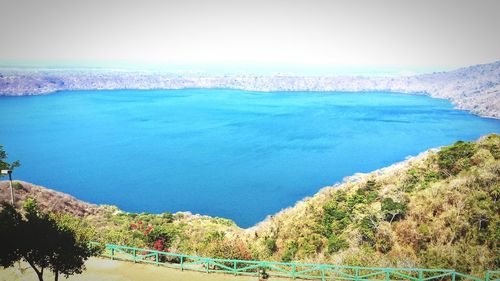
{"points": [[107, 270]]}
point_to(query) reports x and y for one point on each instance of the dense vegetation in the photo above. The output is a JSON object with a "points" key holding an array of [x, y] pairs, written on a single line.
{"points": [[439, 209], [182, 232]]}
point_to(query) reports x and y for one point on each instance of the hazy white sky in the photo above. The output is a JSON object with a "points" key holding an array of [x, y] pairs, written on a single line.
{"points": [[416, 34]]}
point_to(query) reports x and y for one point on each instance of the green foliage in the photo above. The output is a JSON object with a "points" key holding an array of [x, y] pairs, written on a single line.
{"points": [[411, 180], [455, 158], [223, 221], [492, 143], [335, 217], [166, 233], [214, 236], [430, 176], [336, 243], [495, 151], [309, 245], [5, 165], [335, 214], [59, 244], [367, 227], [290, 251], [481, 217], [364, 195], [392, 210], [424, 229], [10, 222], [339, 215], [419, 179], [167, 216], [270, 245], [217, 245]]}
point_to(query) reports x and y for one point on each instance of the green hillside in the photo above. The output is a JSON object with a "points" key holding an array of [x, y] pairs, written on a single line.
{"points": [[439, 209]]}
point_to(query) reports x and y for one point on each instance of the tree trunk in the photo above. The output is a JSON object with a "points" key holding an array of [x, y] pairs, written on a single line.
{"points": [[40, 276], [393, 216], [56, 275], [39, 273]]}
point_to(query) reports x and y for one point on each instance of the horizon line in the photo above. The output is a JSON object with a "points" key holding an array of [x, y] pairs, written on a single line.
{"points": [[235, 69]]}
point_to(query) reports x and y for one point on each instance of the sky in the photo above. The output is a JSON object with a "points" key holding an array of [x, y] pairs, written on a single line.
{"points": [[280, 36]]}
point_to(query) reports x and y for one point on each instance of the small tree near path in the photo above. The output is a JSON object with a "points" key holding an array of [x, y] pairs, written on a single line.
{"points": [[43, 241]]}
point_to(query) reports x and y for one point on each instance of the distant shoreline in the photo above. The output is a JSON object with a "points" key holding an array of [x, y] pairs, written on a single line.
{"points": [[475, 89]]}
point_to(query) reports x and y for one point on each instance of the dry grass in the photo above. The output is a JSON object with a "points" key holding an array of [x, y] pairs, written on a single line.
{"points": [[108, 270], [48, 199]]}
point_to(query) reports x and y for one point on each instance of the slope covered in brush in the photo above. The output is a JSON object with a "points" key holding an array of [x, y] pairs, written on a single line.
{"points": [[439, 209]]}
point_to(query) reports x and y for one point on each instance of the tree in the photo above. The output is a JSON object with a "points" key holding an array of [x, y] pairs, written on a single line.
{"points": [[393, 210], [367, 228], [44, 241], [5, 165]]}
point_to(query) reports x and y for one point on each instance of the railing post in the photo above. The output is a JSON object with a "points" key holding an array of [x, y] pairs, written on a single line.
{"points": [[206, 261], [487, 276], [112, 253], [294, 269], [420, 275], [356, 273], [135, 254], [234, 267], [453, 275], [387, 274], [182, 263], [157, 261], [323, 274]]}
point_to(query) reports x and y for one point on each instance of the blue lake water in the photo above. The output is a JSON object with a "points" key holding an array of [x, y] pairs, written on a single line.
{"points": [[229, 153]]}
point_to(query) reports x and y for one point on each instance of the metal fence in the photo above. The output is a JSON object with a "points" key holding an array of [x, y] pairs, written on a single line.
{"points": [[286, 269]]}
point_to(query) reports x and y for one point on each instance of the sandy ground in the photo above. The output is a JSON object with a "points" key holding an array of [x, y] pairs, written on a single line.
{"points": [[99, 269]]}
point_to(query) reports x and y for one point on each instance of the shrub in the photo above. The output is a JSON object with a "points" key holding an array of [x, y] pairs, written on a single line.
{"points": [[366, 194], [393, 210], [335, 217], [367, 227], [290, 251], [410, 181], [270, 245], [167, 216], [309, 245], [166, 234], [384, 238], [455, 158], [336, 243], [492, 143]]}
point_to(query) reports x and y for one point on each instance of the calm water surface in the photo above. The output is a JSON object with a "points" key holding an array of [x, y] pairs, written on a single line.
{"points": [[236, 154]]}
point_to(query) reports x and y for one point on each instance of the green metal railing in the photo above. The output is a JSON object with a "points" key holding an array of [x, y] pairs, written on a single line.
{"points": [[284, 269]]}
